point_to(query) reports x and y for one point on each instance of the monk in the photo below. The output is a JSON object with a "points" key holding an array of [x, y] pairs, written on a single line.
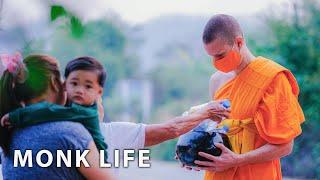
{"points": [[265, 113]]}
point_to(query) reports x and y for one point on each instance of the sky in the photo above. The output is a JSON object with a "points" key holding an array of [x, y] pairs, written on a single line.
{"points": [[138, 11], [131, 11]]}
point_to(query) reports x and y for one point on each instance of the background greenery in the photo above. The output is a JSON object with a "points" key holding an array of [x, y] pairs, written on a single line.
{"points": [[180, 80]]}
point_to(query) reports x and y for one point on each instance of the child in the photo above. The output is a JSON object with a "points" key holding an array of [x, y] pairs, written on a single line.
{"points": [[84, 83]]}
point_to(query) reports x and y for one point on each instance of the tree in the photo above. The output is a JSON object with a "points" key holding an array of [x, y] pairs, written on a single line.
{"points": [[297, 40]]}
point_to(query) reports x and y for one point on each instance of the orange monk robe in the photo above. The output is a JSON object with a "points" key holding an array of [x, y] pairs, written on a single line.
{"points": [[264, 109]]}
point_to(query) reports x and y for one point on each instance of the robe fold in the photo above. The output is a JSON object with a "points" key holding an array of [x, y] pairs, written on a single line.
{"points": [[264, 109]]}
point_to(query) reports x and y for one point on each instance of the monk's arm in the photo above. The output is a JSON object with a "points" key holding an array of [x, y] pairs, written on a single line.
{"points": [[158, 133], [229, 159], [265, 153]]}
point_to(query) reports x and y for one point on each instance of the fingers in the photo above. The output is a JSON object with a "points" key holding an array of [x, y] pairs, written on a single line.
{"points": [[177, 158], [216, 118], [220, 113], [192, 168], [219, 104], [5, 121], [219, 116], [204, 163], [222, 147], [214, 106], [224, 114], [209, 156], [206, 168], [197, 168], [214, 169], [218, 109], [185, 166]]}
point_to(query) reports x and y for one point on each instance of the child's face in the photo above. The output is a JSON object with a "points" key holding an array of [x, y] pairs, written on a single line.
{"points": [[82, 87]]}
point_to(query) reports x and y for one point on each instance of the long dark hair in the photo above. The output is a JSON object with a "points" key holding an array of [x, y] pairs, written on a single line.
{"points": [[31, 81]]}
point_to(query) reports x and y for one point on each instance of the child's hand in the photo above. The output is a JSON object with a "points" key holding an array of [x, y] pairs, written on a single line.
{"points": [[5, 121]]}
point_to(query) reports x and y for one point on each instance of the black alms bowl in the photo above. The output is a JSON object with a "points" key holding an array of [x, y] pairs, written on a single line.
{"points": [[198, 140]]}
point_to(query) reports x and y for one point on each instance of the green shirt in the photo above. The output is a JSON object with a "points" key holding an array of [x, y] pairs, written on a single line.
{"points": [[48, 112]]}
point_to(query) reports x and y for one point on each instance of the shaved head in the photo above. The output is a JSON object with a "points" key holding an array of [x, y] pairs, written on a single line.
{"points": [[221, 26]]}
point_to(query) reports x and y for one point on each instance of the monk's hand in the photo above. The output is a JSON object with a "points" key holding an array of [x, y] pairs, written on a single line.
{"points": [[226, 160], [183, 165], [5, 121]]}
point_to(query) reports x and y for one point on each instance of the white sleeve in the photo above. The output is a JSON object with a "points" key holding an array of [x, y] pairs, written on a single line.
{"points": [[124, 135]]}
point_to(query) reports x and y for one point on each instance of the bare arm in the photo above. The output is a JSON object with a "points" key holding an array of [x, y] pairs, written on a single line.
{"points": [[265, 153], [94, 171], [157, 133], [229, 159]]}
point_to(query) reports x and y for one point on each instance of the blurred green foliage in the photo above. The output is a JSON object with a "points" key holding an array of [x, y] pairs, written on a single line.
{"points": [[178, 85], [187, 79], [76, 27], [56, 12], [100, 39], [297, 40]]}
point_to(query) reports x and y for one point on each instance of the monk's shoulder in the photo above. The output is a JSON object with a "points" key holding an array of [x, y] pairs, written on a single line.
{"points": [[218, 79], [221, 78]]}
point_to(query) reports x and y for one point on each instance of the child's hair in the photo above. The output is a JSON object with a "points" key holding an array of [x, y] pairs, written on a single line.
{"points": [[36, 71], [88, 64]]}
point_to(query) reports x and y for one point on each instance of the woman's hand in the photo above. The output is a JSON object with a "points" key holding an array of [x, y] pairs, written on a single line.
{"points": [[5, 121], [213, 110]]}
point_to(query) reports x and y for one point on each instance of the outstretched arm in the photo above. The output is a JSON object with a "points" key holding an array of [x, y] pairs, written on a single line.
{"points": [[157, 133]]}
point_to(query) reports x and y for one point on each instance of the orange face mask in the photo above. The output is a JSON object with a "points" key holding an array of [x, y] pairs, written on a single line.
{"points": [[229, 63]]}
